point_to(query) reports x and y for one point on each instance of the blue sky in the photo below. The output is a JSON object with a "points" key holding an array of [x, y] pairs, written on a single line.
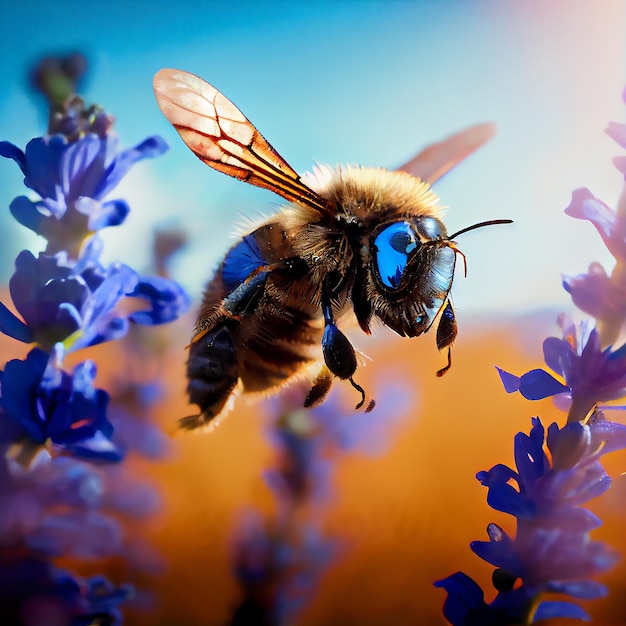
{"points": [[353, 82]]}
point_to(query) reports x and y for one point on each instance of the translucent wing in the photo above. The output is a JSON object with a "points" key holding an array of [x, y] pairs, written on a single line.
{"points": [[219, 134], [436, 160]]}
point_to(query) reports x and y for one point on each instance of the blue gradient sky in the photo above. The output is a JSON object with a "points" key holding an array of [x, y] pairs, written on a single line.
{"points": [[357, 82]]}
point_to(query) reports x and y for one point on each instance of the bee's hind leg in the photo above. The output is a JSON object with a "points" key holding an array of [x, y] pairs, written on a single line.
{"points": [[212, 367], [213, 373], [320, 389]]}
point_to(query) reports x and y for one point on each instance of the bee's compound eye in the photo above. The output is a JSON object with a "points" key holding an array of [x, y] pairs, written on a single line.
{"points": [[392, 248]]}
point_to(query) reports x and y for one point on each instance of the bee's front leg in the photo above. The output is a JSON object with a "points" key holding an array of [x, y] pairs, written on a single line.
{"points": [[446, 334], [338, 352]]}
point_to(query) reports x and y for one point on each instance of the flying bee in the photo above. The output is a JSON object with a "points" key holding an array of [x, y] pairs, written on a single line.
{"points": [[352, 239]]}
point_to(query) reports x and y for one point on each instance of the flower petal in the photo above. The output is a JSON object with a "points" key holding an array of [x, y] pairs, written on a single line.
{"points": [[96, 448], [617, 132], [43, 155], [111, 213], [10, 151], [585, 206], [584, 589], [498, 554], [82, 166], [509, 381], [70, 534], [610, 435], [465, 597], [502, 496], [538, 384], [147, 149], [556, 352], [620, 164], [593, 292], [558, 608], [19, 384], [530, 459], [167, 299], [14, 327], [27, 213]]}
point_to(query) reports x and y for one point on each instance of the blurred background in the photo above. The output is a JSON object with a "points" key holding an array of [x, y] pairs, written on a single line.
{"points": [[369, 83]]}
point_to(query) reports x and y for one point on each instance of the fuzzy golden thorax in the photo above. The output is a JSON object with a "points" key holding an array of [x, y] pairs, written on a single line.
{"points": [[368, 193]]}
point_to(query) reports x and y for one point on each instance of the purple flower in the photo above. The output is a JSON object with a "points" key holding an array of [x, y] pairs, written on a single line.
{"points": [[277, 565], [41, 402], [278, 562], [596, 294], [309, 441], [52, 507], [34, 592], [72, 179], [166, 298], [62, 505], [608, 223], [552, 551], [591, 374], [75, 303]]}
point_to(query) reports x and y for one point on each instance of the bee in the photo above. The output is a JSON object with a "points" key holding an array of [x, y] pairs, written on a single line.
{"points": [[351, 240]]}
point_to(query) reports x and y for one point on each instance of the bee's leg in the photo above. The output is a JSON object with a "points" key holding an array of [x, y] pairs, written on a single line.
{"points": [[239, 300], [446, 334], [337, 350], [247, 295], [212, 368], [320, 389], [362, 305], [213, 373]]}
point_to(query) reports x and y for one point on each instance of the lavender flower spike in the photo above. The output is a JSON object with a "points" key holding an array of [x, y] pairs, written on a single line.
{"points": [[552, 551]]}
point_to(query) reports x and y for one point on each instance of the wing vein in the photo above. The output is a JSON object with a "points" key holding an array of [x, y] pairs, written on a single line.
{"points": [[294, 186], [220, 135]]}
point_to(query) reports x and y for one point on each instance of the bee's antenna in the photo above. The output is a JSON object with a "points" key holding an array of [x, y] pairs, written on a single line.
{"points": [[479, 225]]}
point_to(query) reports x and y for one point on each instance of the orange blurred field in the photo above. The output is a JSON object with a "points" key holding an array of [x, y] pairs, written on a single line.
{"points": [[406, 517]]}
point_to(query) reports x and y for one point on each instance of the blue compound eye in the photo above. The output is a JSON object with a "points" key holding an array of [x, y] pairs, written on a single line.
{"points": [[392, 248]]}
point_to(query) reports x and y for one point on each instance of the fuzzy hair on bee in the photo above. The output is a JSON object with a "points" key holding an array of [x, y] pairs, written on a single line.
{"points": [[351, 241]]}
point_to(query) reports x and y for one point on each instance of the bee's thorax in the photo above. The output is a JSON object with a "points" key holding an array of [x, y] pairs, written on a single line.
{"points": [[365, 193]]}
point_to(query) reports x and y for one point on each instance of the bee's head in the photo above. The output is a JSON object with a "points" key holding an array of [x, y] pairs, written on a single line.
{"points": [[411, 267]]}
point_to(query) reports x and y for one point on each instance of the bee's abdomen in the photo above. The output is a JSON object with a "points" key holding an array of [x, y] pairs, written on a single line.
{"points": [[280, 342], [212, 371]]}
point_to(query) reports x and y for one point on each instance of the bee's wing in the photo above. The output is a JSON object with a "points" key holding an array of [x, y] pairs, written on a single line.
{"points": [[219, 134], [437, 160]]}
